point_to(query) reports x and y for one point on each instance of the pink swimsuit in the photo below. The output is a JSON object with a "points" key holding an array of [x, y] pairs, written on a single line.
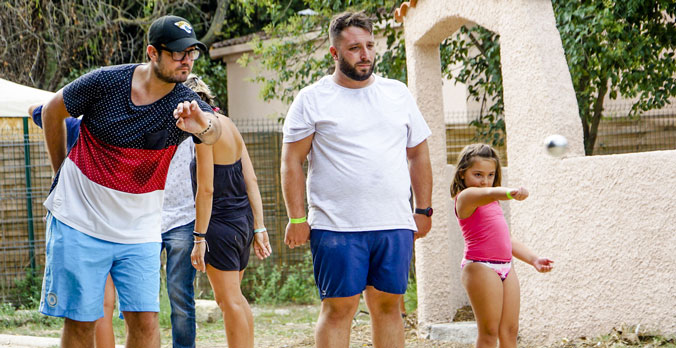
{"points": [[487, 238]]}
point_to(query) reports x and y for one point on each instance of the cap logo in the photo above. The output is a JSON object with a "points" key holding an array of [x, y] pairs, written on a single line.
{"points": [[184, 25]]}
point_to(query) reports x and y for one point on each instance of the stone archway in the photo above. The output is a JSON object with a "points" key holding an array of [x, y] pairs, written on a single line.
{"points": [[581, 212]]}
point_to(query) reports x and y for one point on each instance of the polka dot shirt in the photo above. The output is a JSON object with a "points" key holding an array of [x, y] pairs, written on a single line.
{"points": [[124, 146]]}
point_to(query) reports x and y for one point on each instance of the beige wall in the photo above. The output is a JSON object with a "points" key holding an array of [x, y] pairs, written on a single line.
{"points": [[609, 224], [243, 94], [607, 221]]}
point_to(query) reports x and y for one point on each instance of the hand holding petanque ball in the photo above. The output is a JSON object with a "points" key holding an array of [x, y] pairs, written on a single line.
{"points": [[189, 118], [518, 194]]}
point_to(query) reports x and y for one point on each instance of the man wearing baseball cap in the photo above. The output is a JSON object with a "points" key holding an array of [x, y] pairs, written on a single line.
{"points": [[104, 207], [173, 33]]}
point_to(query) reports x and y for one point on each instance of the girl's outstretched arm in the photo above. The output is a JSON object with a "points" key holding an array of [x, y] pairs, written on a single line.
{"points": [[472, 197], [521, 252]]}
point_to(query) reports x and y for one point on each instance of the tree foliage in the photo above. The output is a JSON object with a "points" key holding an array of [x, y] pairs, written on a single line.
{"points": [[613, 49], [475, 53], [297, 51], [618, 48], [48, 43]]}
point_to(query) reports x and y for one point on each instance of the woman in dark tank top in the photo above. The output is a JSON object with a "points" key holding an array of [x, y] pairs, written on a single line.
{"points": [[229, 219]]}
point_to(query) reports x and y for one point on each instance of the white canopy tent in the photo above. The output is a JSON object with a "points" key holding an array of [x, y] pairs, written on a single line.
{"points": [[15, 98]]}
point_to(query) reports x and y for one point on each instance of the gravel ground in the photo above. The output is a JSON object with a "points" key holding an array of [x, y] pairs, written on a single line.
{"points": [[293, 327]]}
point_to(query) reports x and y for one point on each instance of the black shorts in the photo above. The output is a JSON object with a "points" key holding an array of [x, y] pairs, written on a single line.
{"points": [[229, 241]]}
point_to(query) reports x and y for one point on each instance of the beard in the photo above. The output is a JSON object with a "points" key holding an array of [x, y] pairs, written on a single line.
{"points": [[167, 77], [352, 72]]}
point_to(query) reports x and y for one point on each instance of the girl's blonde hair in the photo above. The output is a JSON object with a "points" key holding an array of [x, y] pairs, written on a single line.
{"points": [[195, 83], [466, 159]]}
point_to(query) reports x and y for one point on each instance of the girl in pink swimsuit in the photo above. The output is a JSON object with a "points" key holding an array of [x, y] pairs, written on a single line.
{"points": [[487, 273]]}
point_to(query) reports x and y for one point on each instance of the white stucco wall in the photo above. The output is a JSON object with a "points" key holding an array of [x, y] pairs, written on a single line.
{"points": [[607, 221]]}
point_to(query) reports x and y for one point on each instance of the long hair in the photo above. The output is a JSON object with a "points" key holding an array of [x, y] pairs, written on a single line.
{"points": [[195, 83], [466, 159]]}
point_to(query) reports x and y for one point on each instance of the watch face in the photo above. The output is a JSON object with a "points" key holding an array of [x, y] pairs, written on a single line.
{"points": [[427, 211]]}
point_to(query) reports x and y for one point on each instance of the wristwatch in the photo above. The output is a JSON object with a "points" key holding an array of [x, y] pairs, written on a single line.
{"points": [[427, 211]]}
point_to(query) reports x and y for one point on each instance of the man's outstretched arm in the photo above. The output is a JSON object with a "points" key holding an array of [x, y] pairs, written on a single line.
{"points": [[204, 125]]}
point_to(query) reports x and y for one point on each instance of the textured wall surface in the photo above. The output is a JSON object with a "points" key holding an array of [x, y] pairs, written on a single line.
{"points": [[607, 221], [439, 292]]}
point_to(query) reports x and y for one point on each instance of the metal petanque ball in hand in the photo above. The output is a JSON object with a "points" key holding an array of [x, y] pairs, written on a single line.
{"points": [[556, 145]]}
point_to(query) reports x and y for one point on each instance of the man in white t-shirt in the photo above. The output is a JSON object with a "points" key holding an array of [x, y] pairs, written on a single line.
{"points": [[365, 140]]}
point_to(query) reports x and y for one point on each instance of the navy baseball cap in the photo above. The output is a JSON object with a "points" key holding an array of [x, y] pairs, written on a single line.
{"points": [[173, 33]]}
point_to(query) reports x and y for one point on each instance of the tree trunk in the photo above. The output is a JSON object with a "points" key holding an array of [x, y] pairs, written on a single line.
{"points": [[584, 110], [590, 139], [585, 129], [216, 23]]}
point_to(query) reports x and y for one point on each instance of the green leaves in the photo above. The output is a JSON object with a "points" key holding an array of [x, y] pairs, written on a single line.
{"points": [[624, 48], [613, 48], [472, 57], [44, 42], [215, 75], [298, 52]]}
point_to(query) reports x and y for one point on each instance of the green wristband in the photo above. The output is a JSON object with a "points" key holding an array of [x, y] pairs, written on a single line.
{"points": [[509, 196], [297, 220]]}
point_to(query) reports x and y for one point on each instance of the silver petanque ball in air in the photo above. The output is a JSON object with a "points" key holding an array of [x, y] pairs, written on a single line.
{"points": [[556, 145]]}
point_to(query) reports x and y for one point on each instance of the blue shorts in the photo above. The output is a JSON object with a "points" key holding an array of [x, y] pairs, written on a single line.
{"points": [[76, 268], [346, 262]]}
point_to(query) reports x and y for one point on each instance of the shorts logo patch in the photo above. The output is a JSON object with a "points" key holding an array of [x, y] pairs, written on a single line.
{"points": [[52, 299]]}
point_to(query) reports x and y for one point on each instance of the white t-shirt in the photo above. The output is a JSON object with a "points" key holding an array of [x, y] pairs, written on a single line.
{"points": [[358, 178], [178, 207]]}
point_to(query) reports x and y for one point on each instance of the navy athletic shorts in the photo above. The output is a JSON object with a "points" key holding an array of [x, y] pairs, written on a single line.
{"points": [[346, 262]]}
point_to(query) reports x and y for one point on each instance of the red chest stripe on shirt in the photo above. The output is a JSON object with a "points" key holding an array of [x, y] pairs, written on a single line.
{"points": [[118, 168]]}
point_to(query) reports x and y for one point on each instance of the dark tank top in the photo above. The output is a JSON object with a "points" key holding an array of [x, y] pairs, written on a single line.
{"points": [[230, 197]]}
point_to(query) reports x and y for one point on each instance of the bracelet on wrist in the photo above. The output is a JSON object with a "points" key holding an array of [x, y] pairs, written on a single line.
{"points": [[297, 220], [202, 241], [509, 196], [197, 234], [205, 130], [259, 230]]}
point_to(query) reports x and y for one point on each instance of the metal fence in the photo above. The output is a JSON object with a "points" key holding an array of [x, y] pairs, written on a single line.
{"points": [[25, 178], [653, 131], [263, 140]]}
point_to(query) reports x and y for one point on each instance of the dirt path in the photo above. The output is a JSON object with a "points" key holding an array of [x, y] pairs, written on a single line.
{"points": [[293, 327]]}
